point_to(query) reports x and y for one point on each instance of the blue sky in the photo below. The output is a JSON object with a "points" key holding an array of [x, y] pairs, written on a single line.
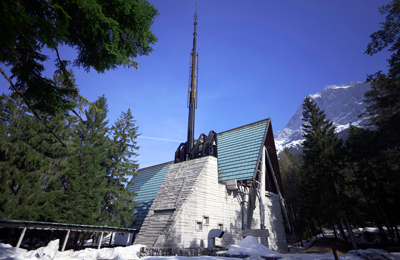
{"points": [[258, 59]]}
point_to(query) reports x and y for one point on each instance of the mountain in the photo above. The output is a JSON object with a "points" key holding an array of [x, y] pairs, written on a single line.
{"points": [[342, 105]]}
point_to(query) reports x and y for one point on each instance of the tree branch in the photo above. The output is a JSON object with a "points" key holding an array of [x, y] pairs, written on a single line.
{"points": [[27, 103]]}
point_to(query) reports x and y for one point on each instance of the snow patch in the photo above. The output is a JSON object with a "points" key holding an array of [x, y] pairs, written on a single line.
{"points": [[7, 252], [250, 246], [339, 87], [45, 253], [316, 95]]}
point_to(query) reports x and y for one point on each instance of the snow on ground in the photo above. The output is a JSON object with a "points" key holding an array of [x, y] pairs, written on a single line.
{"points": [[249, 248], [50, 252]]}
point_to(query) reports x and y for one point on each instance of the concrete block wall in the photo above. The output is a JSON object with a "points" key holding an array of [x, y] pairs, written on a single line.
{"points": [[208, 199], [274, 223], [191, 192]]}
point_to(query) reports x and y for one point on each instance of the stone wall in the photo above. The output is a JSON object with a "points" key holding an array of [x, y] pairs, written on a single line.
{"points": [[189, 194]]}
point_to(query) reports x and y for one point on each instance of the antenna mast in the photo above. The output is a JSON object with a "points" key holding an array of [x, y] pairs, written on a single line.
{"points": [[205, 145], [192, 88]]}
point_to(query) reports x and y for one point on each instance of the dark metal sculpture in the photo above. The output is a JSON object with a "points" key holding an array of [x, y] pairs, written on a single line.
{"points": [[205, 145]]}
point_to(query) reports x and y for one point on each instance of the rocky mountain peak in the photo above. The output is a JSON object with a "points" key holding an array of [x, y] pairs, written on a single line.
{"points": [[342, 105]]}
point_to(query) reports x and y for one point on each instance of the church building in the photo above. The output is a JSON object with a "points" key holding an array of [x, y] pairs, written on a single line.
{"points": [[225, 183]]}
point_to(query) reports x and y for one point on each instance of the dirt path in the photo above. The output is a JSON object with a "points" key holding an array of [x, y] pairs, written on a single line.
{"points": [[324, 245]]}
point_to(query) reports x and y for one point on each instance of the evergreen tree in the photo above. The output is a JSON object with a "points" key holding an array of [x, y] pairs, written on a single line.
{"points": [[118, 201], [32, 161], [85, 182], [322, 169], [384, 96], [289, 169], [374, 169], [105, 34]]}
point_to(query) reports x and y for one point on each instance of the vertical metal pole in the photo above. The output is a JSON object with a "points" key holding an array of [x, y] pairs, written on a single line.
{"points": [[65, 240], [192, 96], [21, 237], [101, 239]]}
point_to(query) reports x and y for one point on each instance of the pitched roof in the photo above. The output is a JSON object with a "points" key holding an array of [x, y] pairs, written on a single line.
{"points": [[239, 150], [146, 185]]}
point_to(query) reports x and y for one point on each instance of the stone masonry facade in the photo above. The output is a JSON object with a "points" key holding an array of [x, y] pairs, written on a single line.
{"points": [[191, 202]]}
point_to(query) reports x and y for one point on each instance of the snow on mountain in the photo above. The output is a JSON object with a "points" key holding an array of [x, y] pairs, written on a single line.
{"points": [[342, 105]]}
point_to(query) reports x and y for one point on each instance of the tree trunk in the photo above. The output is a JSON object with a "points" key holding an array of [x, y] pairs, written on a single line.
{"points": [[320, 227], [350, 231], [389, 230], [334, 229], [397, 233], [382, 231], [296, 230], [340, 227]]}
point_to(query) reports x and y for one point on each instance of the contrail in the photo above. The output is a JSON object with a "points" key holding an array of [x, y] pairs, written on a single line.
{"points": [[161, 139]]}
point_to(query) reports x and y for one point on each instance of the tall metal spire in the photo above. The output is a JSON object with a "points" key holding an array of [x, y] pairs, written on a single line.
{"points": [[205, 145], [192, 88]]}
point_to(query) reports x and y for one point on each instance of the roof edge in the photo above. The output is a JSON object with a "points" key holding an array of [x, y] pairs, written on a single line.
{"points": [[157, 165], [262, 146], [236, 128]]}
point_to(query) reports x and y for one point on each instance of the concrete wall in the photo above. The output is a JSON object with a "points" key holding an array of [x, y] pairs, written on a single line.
{"points": [[190, 193]]}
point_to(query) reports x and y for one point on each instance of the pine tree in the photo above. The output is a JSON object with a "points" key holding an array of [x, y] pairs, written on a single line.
{"points": [[105, 35], [118, 201], [322, 169], [289, 169], [85, 182], [384, 97], [32, 161], [374, 167]]}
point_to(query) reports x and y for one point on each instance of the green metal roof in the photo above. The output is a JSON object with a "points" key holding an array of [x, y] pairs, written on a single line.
{"points": [[239, 150], [146, 185]]}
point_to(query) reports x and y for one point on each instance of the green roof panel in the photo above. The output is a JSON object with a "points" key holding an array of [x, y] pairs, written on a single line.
{"points": [[146, 185], [239, 150]]}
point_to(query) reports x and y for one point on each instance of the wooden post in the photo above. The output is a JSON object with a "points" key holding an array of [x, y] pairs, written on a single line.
{"points": [[83, 239], [21, 237], [76, 238], [111, 237], [94, 238], [65, 240]]}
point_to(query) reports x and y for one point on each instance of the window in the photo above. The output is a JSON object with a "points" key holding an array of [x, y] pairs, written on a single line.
{"points": [[221, 226], [199, 225], [206, 220]]}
